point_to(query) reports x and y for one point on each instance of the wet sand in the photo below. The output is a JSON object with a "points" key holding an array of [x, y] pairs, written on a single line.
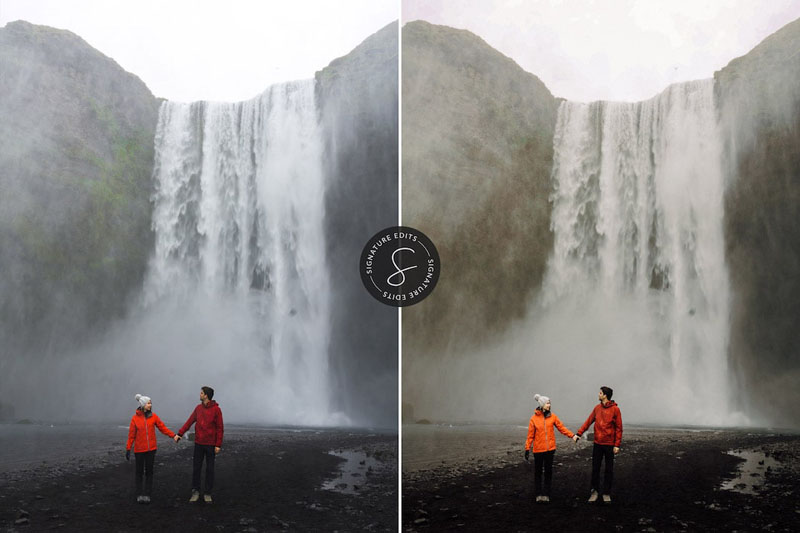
{"points": [[266, 480], [666, 479]]}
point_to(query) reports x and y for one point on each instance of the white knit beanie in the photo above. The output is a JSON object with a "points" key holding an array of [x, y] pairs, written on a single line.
{"points": [[142, 400], [541, 399]]}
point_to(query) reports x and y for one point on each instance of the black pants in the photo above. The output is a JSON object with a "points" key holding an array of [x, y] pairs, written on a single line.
{"points": [[600, 452], [542, 461], [203, 451], [144, 468]]}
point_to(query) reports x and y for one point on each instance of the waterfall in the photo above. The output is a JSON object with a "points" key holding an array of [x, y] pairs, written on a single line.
{"points": [[639, 249], [239, 256]]}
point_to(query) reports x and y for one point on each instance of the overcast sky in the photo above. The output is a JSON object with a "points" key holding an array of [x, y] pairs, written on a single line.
{"points": [[231, 50], [582, 49], [613, 49]]}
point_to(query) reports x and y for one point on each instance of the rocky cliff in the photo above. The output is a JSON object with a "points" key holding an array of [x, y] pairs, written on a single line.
{"points": [[759, 103], [357, 97], [477, 158], [76, 154]]}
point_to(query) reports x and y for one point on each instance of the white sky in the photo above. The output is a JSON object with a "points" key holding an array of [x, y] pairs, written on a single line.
{"points": [[231, 50], [627, 50]]}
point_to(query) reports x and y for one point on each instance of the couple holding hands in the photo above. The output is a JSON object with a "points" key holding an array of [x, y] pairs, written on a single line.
{"points": [[208, 439], [607, 421]]}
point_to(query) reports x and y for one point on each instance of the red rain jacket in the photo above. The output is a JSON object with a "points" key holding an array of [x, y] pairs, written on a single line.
{"points": [[541, 433], [209, 428], [607, 424], [142, 432]]}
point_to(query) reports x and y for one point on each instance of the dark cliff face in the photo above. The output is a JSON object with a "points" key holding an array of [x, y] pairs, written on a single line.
{"points": [[759, 100], [76, 153], [357, 97], [477, 158]]}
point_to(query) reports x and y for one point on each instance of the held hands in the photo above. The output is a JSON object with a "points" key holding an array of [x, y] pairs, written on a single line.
{"points": [[177, 437], [575, 438]]}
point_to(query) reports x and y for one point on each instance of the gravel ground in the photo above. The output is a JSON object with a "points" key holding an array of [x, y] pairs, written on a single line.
{"points": [[266, 480], [665, 480]]}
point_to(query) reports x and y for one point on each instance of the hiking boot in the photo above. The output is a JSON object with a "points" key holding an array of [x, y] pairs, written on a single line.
{"points": [[546, 499], [145, 499], [606, 498], [207, 498], [195, 496], [140, 499], [593, 496]]}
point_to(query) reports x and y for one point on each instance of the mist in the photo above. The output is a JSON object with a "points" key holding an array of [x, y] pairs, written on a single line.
{"points": [[166, 352], [566, 352]]}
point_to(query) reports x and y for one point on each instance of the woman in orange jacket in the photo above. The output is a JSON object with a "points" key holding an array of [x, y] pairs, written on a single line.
{"points": [[542, 435], [142, 436]]}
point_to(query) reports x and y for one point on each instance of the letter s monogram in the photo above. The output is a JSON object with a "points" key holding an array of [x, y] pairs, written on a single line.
{"points": [[400, 271]]}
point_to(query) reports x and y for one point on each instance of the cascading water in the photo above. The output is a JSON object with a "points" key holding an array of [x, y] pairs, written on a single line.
{"points": [[239, 249], [638, 247]]}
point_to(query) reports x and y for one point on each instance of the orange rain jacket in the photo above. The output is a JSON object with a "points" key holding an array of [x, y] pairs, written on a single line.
{"points": [[142, 432], [542, 434]]}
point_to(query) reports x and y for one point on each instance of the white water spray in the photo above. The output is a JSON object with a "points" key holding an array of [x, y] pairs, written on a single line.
{"points": [[637, 220], [239, 257]]}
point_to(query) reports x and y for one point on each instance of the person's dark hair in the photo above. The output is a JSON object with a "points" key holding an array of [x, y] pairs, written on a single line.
{"points": [[210, 392], [608, 391]]}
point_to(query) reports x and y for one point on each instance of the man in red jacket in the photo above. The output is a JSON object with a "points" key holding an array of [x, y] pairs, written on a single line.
{"points": [[207, 441], [607, 421]]}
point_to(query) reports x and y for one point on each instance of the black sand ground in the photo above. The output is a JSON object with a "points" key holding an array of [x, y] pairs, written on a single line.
{"points": [[266, 481], [665, 480]]}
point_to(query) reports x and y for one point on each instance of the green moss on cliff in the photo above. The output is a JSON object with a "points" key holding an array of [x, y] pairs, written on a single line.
{"points": [[76, 145]]}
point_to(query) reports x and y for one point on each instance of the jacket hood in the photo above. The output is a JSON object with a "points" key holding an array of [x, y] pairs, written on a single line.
{"points": [[611, 403], [209, 405], [148, 414], [540, 412]]}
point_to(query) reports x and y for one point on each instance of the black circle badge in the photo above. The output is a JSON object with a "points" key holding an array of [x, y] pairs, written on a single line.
{"points": [[399, 266]]}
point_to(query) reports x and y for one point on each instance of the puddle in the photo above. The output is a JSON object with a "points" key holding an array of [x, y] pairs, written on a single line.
{"points": [[752, 472], [353, 471]]}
